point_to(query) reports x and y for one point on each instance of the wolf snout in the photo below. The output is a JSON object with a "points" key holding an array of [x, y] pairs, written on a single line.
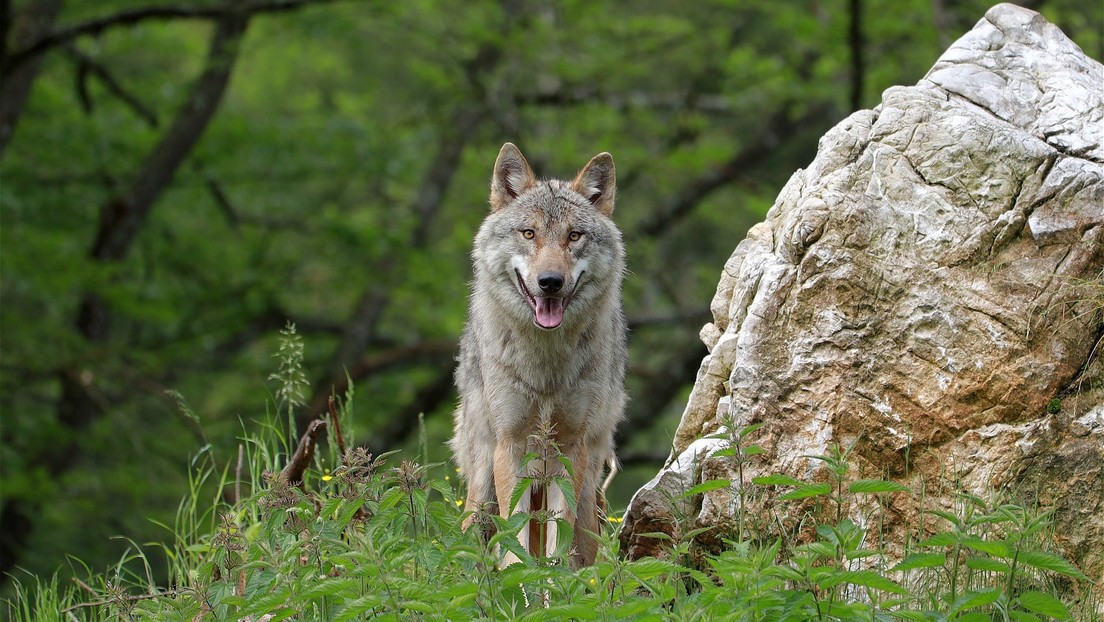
{"points": [[550, 282]]}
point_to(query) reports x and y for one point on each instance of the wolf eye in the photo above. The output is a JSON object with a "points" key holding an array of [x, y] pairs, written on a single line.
{"points": [[528, 234], [575, 236]]}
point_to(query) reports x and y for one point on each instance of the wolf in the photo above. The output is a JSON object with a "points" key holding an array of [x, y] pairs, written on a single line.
{"points": [[544, 345]]}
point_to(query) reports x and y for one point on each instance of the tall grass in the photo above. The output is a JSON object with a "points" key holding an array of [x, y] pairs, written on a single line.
{"points": [[368, 539]]}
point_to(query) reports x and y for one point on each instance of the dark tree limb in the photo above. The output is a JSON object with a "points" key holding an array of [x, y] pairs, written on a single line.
{"points": [[32, 23], [271, 319], [679, 206], [751, 156], [684, 316], [300, 460], [5, 23], [338, 436], [661, 388], [121, 218], [361, 326], [856, 44], [400, 424], [45, 41], [222, 200], [438, 353], [86, 67], [643, 458], [438, 177]]}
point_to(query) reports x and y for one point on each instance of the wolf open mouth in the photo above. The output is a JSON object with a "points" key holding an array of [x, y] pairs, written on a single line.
{"points": [[548, 311]]}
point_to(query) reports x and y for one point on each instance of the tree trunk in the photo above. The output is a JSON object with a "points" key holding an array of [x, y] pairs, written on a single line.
{"points": [[33, 22], [120, 220]]}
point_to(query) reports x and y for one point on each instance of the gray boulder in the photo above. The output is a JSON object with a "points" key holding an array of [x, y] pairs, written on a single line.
{"points": [[928, 291]]}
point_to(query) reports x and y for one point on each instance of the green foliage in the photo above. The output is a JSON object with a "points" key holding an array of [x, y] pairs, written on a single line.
{"points": [[360, 540], [305, 197]]}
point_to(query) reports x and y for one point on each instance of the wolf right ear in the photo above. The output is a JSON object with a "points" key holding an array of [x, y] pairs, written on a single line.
{"points": [[512, 176], [598, 182]]}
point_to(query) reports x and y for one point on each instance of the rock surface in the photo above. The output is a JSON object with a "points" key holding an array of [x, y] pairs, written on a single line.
{"points": [[923, 291]]}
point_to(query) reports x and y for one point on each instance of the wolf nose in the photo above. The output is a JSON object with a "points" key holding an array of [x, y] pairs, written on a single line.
{"points": [[550, 282]]}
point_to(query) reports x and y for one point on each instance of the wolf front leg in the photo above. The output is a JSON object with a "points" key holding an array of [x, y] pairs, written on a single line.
{"points": [[586, 466], [473, 446], [587, 521], [480, 493], [507, 462]]}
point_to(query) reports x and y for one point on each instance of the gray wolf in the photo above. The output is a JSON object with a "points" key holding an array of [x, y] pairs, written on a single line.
{"points": [[545, 345]]}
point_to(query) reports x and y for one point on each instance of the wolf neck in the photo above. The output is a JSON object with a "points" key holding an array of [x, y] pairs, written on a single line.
{"points": [[547, 361]]}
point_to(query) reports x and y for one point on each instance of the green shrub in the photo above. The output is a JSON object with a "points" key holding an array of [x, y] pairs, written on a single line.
{"points": [[348, 537]]}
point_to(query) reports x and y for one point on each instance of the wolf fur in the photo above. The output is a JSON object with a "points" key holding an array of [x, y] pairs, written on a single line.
{"points": [[544, 342]]}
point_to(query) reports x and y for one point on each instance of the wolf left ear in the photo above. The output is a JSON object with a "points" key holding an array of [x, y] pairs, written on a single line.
{"points": [[512, 176], [598, 182]]}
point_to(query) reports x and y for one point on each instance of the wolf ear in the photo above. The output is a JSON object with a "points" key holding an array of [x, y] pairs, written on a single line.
{"points": [[598, 182], [512, 176]]}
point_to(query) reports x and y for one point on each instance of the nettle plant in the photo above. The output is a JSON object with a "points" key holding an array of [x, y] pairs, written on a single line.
{"points": [[322, 530]]}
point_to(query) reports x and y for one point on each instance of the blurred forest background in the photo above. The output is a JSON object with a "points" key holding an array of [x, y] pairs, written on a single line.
{"points": [[181, 179]]}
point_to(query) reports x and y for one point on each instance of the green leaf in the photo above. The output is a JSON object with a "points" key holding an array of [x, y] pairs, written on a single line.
{"points": [[915, 616], [571, 611], [632, 609], [947, 516], [568, 490], [940, 539], [808, 490], [864, 578], [776, 480], [567, 465], [391, 498], [1045, 604], [996, 548], [748, 429], [783, 572], [693, 533], [651, 567], [329, 587], [973, 600], [987, 564], [921, 560], [713, 484], [1023, 616], [1051, 562], [520, 489], [868, 486]]}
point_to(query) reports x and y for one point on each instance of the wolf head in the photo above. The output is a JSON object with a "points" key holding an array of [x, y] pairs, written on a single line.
{"points": [[550, 247]]}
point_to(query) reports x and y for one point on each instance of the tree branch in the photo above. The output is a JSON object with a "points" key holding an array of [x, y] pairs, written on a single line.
{"points": [[361, 326], [123, 216], [679, 206], [120, 221], [856, 45], [682, 316], [34, 21], [86, 66], [661, 388], [132, 17], [426, 352], [399, 425], [299, 462]]}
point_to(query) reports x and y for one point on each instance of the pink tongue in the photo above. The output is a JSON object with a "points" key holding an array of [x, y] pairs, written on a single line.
{"points": [[549, 312]]}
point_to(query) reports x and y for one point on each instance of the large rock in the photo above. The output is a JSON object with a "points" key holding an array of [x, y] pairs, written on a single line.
{"points": [[923, 291]]}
